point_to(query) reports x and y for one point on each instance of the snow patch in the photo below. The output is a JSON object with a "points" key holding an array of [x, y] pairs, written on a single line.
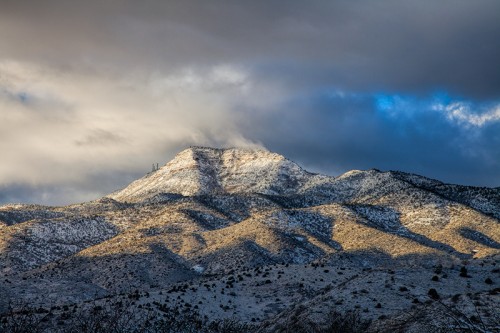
{"points": [[198, 269]]}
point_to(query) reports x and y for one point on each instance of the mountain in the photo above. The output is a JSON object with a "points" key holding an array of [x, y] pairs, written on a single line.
{"points": [[270, 240], [201, 171]]}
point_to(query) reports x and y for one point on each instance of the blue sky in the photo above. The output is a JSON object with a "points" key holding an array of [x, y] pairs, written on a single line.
{"points": [[92, 93]]}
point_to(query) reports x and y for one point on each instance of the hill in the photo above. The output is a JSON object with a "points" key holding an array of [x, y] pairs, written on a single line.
{"points": [[249, 234]]}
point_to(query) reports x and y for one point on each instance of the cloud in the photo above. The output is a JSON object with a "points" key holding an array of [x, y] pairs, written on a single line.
{"points": [[386, 45], [466, 113], [107, 87], [100, 137], [69, 123], [333, 133], [462, 113]]}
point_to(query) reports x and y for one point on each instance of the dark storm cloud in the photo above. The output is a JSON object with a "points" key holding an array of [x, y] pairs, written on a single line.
{"points": [[358, 45], [94, 88], [335, 134]]}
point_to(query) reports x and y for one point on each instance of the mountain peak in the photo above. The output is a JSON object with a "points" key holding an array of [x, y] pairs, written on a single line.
{"points": [[204, 170]]}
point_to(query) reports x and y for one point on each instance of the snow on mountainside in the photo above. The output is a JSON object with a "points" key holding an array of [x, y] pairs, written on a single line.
{"points": [[251, 227], [40, 242], [486, 200], [12, 214], [198, 170]]}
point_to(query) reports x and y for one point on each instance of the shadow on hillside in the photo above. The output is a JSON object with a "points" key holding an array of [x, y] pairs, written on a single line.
{"points": [[78, 279], [315, 225], [206, 220], [299, 200], [387, 219], [376, 258], [479, 237], [14, 216], [211, 180], [248, 253], [233, 207], [81, 278]]}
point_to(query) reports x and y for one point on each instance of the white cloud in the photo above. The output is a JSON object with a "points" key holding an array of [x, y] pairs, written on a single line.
{"points": [[229, 75], [464, 113], [216, 78], [63, 126]]}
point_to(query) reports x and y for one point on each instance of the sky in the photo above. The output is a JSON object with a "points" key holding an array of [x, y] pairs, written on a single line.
{"points": [[93, 92]]}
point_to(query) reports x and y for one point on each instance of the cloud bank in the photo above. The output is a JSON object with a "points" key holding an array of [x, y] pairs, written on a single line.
{"points": [[92, 93]]}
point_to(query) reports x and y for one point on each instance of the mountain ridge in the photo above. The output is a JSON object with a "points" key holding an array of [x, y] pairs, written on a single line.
{"points": [[241, 220]]}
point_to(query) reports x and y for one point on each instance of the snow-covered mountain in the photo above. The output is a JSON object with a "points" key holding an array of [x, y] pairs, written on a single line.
{"points": [[212, 214], [201, 170]]}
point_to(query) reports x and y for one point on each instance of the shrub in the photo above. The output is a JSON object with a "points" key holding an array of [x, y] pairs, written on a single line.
{"points": [[433, 294]]}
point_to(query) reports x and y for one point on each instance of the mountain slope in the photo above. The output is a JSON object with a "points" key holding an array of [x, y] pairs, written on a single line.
{"points": [[198, 171], [216, 215]]}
